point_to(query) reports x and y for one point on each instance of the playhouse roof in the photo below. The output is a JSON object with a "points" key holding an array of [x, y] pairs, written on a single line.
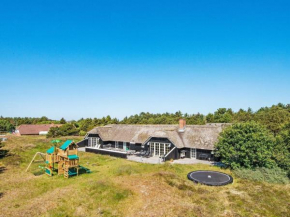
{"points": [[51, 150], [65, 145]]}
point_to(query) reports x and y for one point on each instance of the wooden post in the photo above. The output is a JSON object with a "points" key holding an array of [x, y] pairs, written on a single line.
{"points": [[33, 159]]}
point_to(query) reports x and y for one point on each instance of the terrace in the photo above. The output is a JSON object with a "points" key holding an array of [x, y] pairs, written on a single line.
{"points": [[141, 156], [116, 151]]}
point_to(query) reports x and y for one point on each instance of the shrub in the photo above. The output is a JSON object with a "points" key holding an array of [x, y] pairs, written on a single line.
{"points": [[6, 126], [64, 130], [282, 150], [274, 175], [3, 152], [82, 133], [2, 167], [247, 145]]}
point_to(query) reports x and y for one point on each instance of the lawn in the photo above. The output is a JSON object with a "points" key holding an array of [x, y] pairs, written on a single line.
{"points": [[117, 187]]}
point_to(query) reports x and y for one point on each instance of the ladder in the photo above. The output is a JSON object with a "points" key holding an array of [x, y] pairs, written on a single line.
{"points": [[66, 169]]}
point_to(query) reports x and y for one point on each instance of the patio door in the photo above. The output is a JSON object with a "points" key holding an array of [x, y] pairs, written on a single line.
{"points": [[159, 149], [92, 142], [193, 153], [151, 148]]}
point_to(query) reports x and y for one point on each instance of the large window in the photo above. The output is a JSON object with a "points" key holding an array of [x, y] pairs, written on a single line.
{"points": [[93, 141], [158, 148]]}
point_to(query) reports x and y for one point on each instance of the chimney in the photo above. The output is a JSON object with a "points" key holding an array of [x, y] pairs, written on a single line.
{"points": [[182, 124]]}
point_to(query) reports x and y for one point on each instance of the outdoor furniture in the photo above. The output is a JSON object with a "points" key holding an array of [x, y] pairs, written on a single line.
{"points": [[142, 152], [204, 156], [147, 154], [131, 152]]}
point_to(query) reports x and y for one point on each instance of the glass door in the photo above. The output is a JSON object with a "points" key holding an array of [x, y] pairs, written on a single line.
{"points": [[151, 147], [90, 142], [193, 153], [157, 149], [162, 149]]}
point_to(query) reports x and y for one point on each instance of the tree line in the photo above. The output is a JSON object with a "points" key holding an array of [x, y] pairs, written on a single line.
{"points": [[273, 118]]}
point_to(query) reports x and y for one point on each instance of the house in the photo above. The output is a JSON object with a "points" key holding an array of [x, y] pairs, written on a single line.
{"points": [[166, 141], [35, 129]]}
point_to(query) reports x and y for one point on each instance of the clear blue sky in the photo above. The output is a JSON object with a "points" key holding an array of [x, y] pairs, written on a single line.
{"points": [[78, 59]]}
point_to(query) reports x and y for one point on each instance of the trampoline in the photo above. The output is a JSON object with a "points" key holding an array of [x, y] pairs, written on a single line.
{"points": [[212, 178]]}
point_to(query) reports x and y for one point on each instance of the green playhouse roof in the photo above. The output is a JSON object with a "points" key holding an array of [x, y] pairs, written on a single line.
{"points": [[65, 145], [51, 150], [72, 157]]}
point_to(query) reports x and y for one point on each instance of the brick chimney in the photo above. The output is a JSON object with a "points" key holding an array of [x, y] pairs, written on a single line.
{"points": [[182, 124]]}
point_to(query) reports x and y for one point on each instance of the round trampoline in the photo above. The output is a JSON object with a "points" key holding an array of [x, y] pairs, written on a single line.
{"points": [[211, 178]]}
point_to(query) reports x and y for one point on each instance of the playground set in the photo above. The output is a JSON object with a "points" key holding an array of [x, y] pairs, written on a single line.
{"points": [[63, 160]]}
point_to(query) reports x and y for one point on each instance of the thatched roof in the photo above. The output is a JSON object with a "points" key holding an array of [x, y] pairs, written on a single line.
{"points": [[194, 136]]}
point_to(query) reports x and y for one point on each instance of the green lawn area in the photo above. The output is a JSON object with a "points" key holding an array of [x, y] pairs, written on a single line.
{"points": [[118, 187]]}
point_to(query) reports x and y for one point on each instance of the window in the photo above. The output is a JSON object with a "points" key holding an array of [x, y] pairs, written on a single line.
{"points": [[159, 149], [128, 145], [167, 147], [92, 141]]}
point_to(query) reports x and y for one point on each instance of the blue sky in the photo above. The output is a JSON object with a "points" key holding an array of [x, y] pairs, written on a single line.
{"points": [[78, 59]]}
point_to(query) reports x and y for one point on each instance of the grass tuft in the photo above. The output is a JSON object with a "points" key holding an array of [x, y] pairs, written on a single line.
{"points": [[125, 170]]}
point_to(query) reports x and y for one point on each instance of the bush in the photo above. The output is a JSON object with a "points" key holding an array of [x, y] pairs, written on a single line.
{"points": [[64, 130], [282, 150], [247, 145], [82, 133], [274, 175], [6, 126], [2, 167], [3, 152]]}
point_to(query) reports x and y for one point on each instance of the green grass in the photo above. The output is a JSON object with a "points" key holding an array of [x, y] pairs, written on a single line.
{"points": [[275, 175], [117, 187]]}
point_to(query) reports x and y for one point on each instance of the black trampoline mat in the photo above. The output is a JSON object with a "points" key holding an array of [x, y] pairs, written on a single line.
{"points": [[212, 178]]}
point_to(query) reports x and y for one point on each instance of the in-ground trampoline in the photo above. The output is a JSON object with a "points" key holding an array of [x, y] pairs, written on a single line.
{"points": [[212, 178]]}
